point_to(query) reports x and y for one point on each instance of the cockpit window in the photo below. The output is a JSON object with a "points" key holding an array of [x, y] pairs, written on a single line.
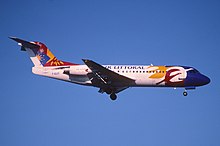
{"points": [[196, 70]]}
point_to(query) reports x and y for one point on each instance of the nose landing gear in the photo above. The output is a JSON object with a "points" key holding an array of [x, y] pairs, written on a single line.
{"points": [[185, 93]]}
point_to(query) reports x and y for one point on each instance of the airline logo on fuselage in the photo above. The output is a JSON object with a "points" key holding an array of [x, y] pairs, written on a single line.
{"points": [[125, 67]]}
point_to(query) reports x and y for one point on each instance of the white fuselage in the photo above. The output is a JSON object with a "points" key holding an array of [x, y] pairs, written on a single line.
{"points": [[143, 75]]}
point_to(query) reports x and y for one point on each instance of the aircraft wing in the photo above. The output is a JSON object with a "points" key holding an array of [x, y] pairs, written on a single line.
{"points": [[105, 78]]}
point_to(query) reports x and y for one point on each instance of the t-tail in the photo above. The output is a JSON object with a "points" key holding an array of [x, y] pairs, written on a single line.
{"points": [[39, 53]]}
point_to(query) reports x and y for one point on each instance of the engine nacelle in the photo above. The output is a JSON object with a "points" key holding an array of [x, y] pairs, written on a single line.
{"points": [[77, 71]]}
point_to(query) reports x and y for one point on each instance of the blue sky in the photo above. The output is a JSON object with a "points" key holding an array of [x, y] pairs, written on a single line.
{"points": [[39, 111]]}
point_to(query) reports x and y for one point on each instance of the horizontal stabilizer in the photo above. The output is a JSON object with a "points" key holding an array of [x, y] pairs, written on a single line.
{"points": [[24, 44]]}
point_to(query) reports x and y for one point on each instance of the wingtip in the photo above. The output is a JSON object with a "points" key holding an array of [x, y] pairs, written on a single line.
{"points": [[85, 60]]}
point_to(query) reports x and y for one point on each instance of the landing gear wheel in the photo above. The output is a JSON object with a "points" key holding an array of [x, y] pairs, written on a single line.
{"points": [[185, 93], [113, 96]]}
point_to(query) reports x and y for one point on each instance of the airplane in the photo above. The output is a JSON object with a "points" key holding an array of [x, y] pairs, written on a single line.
{"points": [[110, 79]]}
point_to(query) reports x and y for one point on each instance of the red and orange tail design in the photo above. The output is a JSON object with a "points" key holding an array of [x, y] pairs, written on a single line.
{"points": [[47, 58], [40, 54]]}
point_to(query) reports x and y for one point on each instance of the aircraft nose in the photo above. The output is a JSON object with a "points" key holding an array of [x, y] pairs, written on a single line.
{"points": [[204, 80], [196, 80]]}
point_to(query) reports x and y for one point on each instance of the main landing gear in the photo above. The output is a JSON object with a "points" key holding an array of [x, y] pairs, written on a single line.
{"points": [[113, 96], [110, 92]]}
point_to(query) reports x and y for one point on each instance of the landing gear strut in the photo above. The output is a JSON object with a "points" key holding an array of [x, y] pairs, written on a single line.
{"points": [[185, 93], [188, 88], [113, 96]]}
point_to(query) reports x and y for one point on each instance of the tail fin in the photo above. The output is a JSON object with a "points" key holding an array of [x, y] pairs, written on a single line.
{"points": [[40, 55]]}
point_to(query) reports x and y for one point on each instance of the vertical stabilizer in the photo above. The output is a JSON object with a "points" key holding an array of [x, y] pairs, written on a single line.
{"points": [[39, 54]]}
